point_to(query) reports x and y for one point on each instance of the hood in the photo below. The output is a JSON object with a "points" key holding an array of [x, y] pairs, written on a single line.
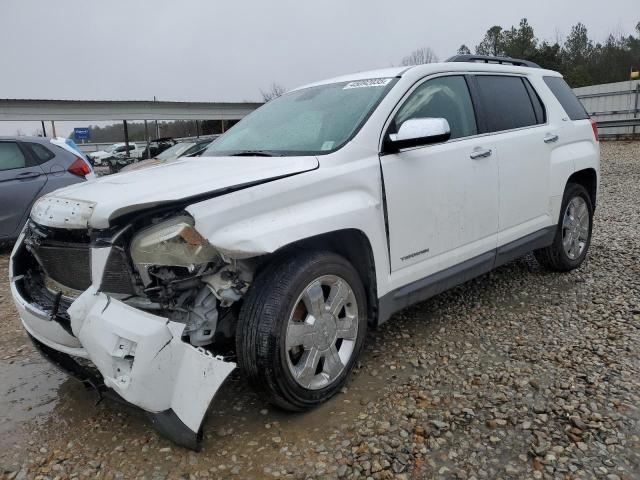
{"points": [[151, 162], [96, 202]]}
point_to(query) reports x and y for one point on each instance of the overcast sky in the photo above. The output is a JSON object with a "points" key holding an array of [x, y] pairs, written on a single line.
{"points": [[228, 51]]}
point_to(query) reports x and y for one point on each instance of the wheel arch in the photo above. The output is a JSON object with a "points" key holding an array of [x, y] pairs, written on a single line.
{"points": [[352, 244], [588, 178]]}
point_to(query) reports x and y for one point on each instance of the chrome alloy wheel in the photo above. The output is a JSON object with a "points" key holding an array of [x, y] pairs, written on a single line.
{"points": [[575, 227], [321, 332]]}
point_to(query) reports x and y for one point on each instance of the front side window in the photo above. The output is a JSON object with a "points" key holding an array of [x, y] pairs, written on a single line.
{"points": [[506, 102], [11, 156], [312, 121], [442, 97]]}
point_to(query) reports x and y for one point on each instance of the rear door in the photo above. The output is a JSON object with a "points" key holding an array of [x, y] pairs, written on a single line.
{"points": [[21, 179], [515, 117]]}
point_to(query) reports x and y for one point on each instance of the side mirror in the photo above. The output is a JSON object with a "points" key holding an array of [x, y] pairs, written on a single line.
{"points": [[416, 132]]}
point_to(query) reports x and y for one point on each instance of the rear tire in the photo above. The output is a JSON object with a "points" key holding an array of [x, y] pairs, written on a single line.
{"points": [[573, 233], [294, 350]]}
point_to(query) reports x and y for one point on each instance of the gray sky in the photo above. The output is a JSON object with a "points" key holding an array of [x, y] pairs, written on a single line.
{"points": [[228, 51]]}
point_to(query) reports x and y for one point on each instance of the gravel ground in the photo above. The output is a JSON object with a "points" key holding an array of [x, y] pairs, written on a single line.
{"points": [[521, 373]]}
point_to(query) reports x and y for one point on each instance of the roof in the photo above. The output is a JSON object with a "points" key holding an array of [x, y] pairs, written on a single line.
{"points": [[420, 71], [25, 138]]}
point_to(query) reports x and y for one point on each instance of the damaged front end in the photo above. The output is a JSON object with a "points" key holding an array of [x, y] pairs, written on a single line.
{"points": [[150, 305]]}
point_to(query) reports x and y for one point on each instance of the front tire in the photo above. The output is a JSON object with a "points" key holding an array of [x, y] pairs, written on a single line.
{"points": [[301, 328], [573, 233]]}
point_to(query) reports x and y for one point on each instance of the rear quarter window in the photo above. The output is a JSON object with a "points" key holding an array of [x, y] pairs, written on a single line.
{"points": [[506, 102], [566, 97], [40, 152]]}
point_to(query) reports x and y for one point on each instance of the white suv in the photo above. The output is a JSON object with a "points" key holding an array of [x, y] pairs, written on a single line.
{"points": [[317, 216], [135, 151]]}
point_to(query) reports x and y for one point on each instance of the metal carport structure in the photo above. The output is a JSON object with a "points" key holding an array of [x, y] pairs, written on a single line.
{"points": [[124, 110]]}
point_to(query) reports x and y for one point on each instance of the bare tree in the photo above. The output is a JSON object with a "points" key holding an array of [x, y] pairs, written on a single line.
{"points": [[420, 56], [274, 92]]}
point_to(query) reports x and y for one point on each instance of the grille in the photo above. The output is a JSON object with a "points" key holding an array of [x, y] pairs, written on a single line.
{"points": [[67, 264], [117, 277]]}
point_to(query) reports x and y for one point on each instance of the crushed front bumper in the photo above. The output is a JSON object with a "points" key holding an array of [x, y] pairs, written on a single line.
{"points": [[141, 357]]}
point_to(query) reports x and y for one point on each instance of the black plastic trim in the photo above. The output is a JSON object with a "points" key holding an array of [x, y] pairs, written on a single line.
{"points": [[395, 147], [517, 62], [432, 285], [517, 248], [170, 426], [427, 287]]}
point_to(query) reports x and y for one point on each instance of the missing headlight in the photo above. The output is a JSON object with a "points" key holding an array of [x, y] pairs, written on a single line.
{"points": [[171, 243]]}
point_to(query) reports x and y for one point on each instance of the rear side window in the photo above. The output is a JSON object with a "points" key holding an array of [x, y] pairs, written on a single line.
{"points": [[40, 152], [567, 99], [506, 102], [11, 156]]}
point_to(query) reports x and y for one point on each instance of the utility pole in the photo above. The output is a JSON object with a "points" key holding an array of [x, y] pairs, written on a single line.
{"points": [[126, 138], [44, 131], [157, 127], [146, 139], [635, 109]]}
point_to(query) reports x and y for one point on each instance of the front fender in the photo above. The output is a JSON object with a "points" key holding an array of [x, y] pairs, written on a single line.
{"points": [[262, 219]]}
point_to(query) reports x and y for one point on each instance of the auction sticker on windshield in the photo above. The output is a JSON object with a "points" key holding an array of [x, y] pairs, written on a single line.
{"points": [[370, 82]]}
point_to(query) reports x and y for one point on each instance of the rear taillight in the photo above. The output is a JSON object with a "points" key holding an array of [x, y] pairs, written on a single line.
{"points": [[79, 167], [594, 125]]}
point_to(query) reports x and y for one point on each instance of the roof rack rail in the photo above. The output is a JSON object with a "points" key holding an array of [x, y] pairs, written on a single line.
{"points": [[490, 59]]}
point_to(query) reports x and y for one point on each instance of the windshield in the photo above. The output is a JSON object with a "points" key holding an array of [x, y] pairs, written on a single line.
{"points": [[312, 121], [175, 151]]}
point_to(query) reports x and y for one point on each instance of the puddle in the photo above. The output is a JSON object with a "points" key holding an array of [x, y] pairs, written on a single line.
{"points": [[28, 391]]}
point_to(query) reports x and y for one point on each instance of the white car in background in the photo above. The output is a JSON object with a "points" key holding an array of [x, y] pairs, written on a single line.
{"points": [[135, 151], [314, 218]]}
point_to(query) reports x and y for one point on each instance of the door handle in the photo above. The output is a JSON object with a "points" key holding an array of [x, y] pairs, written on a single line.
{"points": [[480, 153], [550, 138], [27, 175]]}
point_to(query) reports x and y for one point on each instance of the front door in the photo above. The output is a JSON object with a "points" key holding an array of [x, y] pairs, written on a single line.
{"points": [[442, 199]]}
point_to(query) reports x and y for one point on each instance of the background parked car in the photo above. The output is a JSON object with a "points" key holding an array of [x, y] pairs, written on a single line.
{"points": [[182, 149], [157, 146], [29, 168], [135, 150]]}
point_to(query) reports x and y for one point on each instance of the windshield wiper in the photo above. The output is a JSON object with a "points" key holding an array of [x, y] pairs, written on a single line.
{"points": [[255, 153]]}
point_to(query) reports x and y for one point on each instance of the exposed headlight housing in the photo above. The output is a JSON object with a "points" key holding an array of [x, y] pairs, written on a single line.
{"points": [[174, 243]]}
